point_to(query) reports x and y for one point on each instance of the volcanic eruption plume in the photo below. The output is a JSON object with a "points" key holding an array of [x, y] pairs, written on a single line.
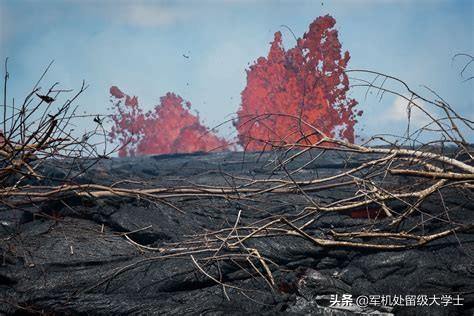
{"points": [[169, 128]]}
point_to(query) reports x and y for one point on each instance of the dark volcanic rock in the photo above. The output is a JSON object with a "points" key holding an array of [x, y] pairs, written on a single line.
{"points": [[81, 262]]}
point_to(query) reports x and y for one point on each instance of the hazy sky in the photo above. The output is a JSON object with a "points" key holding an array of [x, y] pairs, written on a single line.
{"points": [[139, 46]]}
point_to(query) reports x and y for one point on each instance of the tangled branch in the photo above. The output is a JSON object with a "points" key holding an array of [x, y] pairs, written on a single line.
{"points": [[388, 183]]}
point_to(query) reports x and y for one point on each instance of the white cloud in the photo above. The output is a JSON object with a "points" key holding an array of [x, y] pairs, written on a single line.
{"points": [[152, 15], [6, 29], [146, 14], [400, 109]]}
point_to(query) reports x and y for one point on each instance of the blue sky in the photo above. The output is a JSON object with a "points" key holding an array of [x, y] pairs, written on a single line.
{"points": [[139, 46]]}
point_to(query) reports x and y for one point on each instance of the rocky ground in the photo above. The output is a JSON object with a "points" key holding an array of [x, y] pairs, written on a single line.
{"points": [[72, 257]]}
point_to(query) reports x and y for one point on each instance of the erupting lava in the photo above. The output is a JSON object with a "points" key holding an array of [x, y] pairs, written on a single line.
{"points": [[169, 128], [289, 94], [306, 83]]}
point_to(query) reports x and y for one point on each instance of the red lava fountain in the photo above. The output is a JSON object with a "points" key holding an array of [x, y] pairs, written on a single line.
{"points": [[291, 90], [169, 128]]}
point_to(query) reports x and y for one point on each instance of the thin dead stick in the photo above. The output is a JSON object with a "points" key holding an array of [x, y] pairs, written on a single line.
{"points": [[265, 266], [432, 175], [422, 240], [213, 278], [224, 242]]}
